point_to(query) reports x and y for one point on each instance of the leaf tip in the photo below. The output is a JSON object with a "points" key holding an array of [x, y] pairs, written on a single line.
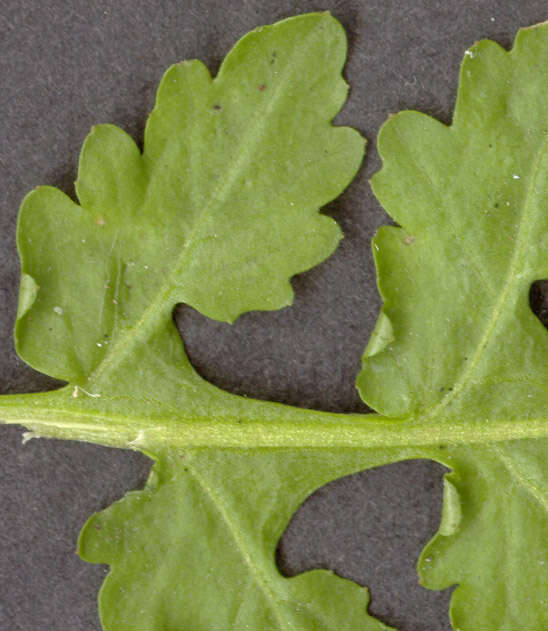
{"points": [[534, 27], [526, 33]]}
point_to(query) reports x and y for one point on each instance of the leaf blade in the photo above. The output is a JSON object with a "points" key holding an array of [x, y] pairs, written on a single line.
{"points": [[457, 338], [495, 552], [226, 497], [464, 243], [211, 214]]}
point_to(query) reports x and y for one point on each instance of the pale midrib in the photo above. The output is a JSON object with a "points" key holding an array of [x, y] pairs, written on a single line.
{"points": [[248, 558], [246, 148], [466, 375], [512, 601], [304, 429]]}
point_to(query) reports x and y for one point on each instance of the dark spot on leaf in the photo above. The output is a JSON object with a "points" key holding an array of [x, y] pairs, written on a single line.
{"points": [[496, 204], [97, 526], [217, 107], [262, 87], [538, 300]]}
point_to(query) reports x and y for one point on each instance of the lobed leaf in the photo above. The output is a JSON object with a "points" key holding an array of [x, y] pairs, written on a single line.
{"points": [[455, 277], [456, 340], [195, 549], [220, 211], [494, 549]]}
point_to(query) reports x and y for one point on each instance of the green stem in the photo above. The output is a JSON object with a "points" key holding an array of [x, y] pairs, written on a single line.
{"points": [[297, 428]]}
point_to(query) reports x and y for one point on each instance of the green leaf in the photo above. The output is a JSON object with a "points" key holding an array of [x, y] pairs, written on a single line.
{"points": [[456, 340], [220, 211], [491, 540], [455, 278], [239, 503]]}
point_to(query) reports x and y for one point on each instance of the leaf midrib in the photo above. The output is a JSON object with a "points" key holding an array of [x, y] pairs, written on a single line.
{"points": [[292, 428], [247, 556]]}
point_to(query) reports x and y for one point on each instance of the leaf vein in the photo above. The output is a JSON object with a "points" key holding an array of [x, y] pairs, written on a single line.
{"points": [[520, 478], [260, 579], [461, 383]]}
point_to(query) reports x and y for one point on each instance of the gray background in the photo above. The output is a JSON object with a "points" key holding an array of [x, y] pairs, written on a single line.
{"points": [[68, 65]]}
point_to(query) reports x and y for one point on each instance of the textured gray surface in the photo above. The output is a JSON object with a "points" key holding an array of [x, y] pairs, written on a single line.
{"points": [[66, 65]]}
